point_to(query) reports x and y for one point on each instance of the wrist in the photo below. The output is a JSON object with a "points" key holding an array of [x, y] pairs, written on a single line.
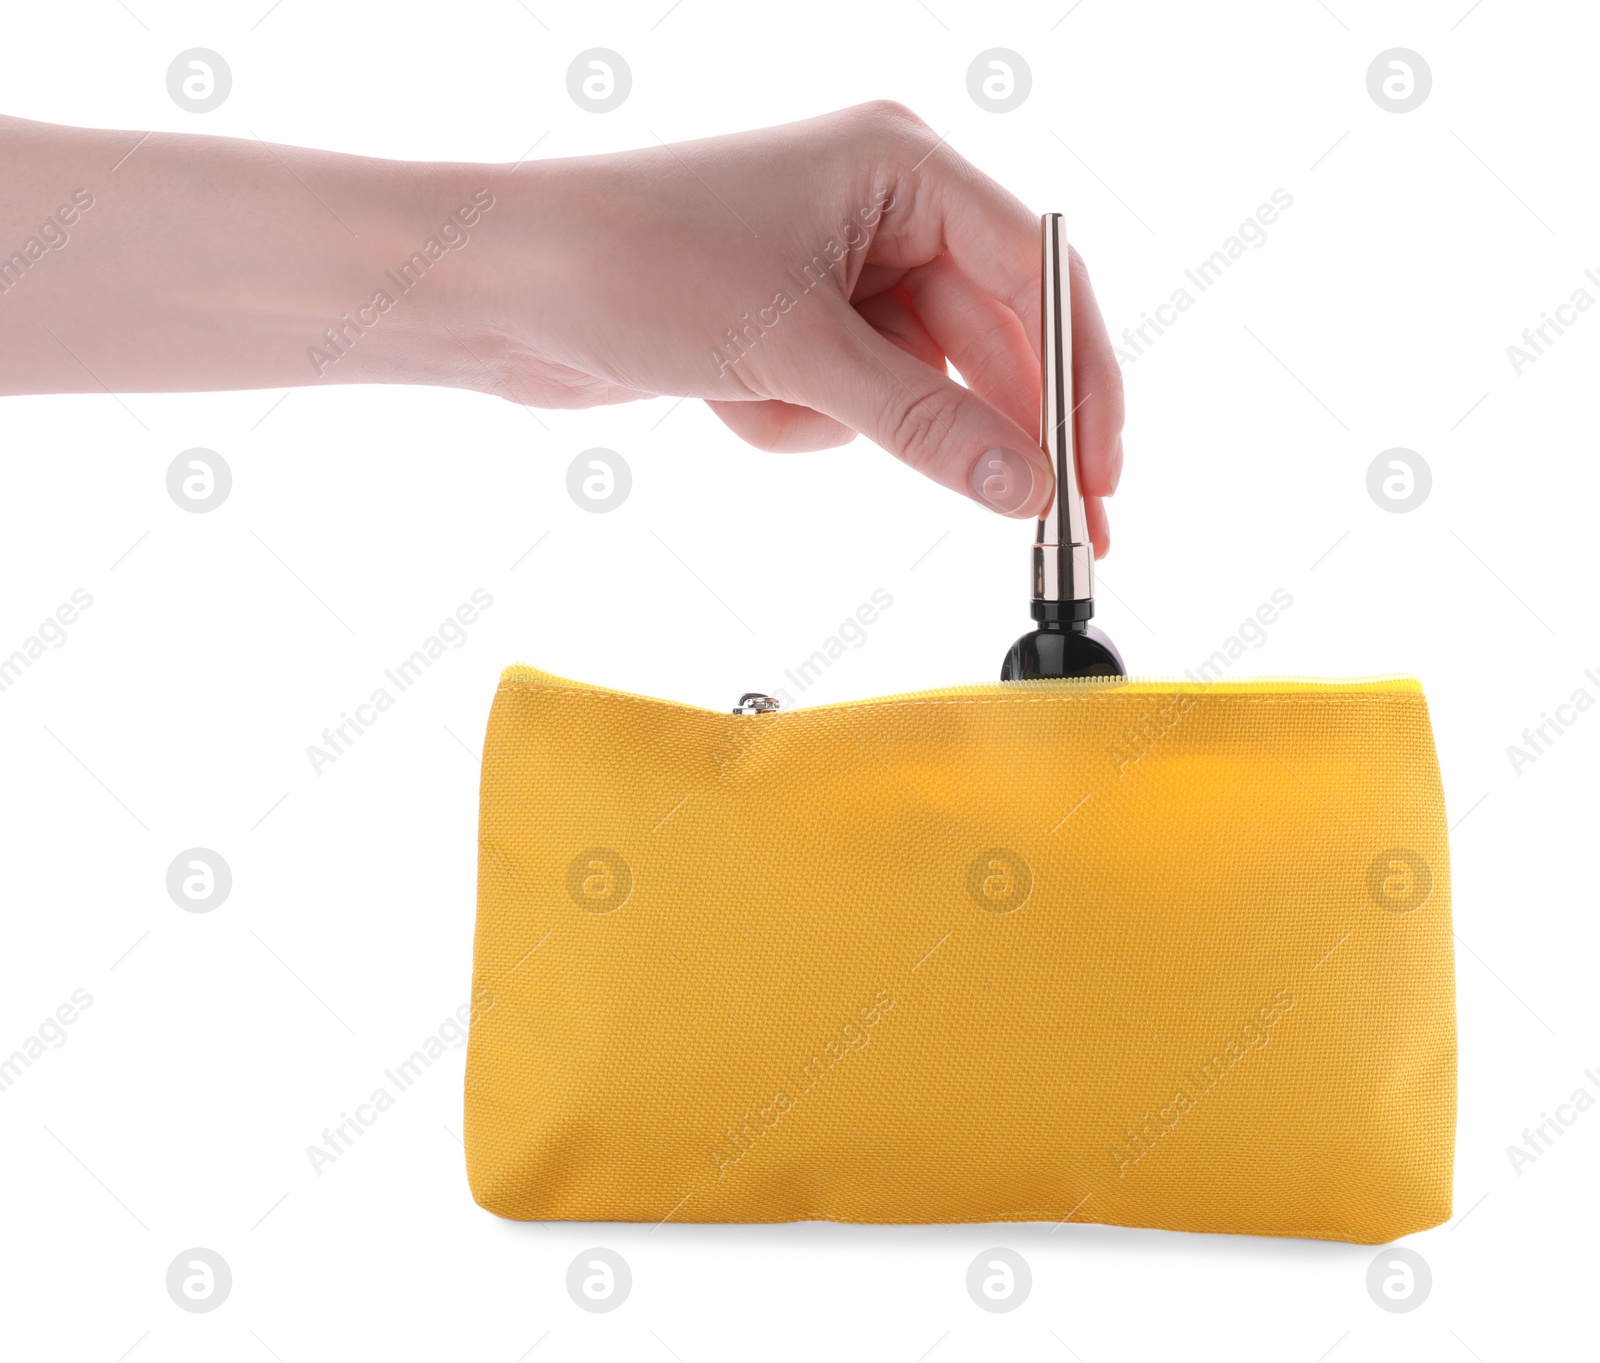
{"points": [[413, 297]]}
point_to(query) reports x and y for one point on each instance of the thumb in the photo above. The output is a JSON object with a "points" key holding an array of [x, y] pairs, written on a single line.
{"points": [[922, 416]]}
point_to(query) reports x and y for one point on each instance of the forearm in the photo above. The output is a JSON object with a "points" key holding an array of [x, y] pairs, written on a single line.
{"points": [[184, 263]]}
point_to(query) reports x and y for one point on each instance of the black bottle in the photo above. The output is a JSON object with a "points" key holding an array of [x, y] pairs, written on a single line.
{"points": [[1064, 644], [1073, 648]]}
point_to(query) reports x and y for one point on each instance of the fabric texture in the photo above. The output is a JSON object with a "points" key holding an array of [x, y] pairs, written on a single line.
{"points": [[1146, 954]]}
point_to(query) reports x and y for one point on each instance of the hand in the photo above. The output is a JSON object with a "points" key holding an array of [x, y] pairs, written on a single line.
{"points": [[809, 282]]}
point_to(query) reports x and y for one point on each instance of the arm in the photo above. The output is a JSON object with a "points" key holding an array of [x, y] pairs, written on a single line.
{"points": [[809, 282]]}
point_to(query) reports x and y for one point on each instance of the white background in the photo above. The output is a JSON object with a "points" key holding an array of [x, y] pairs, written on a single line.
{"points": [[219, 1045]]}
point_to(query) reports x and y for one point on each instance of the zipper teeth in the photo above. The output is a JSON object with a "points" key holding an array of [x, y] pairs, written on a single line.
{"points": [[1392, 682]]}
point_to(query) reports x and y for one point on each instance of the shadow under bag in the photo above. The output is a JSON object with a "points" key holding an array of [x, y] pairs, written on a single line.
{"points": [[1142, 953]]}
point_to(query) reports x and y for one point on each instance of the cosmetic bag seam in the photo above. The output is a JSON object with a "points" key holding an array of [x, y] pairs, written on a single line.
{"points": [[1359, 699]]}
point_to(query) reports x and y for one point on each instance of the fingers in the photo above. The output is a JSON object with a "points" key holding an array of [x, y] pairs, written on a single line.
{"points": [[785, 427], [1097, 388], [984, 339], [893, 315], [952, 269], [943, 204], [1099, 527], [1115, 470], [922, 416], [781, 427]]}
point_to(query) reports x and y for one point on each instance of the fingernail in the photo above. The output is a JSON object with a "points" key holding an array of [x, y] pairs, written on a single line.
{"points": [[1116, 465], [1005, 479]]}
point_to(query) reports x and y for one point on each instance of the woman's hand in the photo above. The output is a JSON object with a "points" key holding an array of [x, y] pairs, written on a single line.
{"points": [[808, 281]]}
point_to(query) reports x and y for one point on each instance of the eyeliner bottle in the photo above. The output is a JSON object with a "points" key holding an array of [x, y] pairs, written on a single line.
{"points": [[1064, 643]]}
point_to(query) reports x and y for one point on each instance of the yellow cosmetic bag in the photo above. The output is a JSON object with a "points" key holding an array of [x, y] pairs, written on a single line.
{"points": [[1142, 953]]}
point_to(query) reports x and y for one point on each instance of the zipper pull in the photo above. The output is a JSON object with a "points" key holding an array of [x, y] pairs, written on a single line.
{"points": [[755, 703]]}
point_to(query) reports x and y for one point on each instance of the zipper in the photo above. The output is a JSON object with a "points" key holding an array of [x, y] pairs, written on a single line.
{"points": [[1395, 682], [759, 703]]}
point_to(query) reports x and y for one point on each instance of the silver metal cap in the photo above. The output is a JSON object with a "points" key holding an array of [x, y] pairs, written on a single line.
{"points": [[1063, 557]]}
